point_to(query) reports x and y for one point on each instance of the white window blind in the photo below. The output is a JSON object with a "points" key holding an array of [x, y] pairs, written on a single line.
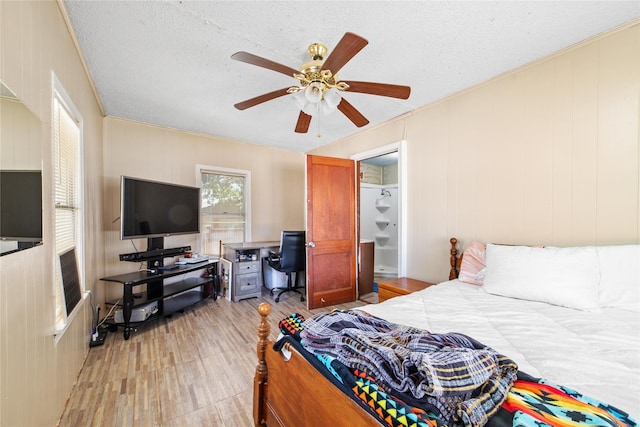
{"points": [[67, 197], [224, 208]]}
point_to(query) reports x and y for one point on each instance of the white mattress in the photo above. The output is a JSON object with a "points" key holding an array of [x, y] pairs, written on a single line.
{"points": [[595, 353]]}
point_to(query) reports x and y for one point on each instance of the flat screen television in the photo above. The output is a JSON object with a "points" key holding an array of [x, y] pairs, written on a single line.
{"points": [[150, 209], [21, 205]]}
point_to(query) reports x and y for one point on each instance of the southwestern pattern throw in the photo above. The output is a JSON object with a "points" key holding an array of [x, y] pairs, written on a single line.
{"points": [[536, 403]]}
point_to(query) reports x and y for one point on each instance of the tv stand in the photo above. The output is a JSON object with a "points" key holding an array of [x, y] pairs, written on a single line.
{"points": [[170, 297]]}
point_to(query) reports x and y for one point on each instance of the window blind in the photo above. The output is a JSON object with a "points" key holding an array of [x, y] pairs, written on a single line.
{"points": [[67, 200]]}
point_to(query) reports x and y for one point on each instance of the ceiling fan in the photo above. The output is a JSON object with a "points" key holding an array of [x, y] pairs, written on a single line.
{"points": [[318, 81]]}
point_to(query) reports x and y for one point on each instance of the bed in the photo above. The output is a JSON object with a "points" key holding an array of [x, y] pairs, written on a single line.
{"points": [[583, 337]]}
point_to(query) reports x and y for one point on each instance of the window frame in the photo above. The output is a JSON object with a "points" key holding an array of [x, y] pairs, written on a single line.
{"points": [[200, 169], [61, 321]]}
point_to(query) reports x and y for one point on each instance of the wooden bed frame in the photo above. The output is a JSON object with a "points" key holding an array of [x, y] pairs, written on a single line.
{"points": [[285, 391]]}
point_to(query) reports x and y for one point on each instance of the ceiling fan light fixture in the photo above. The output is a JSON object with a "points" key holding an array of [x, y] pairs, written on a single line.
{"points": [[332, 98], [314, 92], [311, 108], [326, 108], [300, 99]]}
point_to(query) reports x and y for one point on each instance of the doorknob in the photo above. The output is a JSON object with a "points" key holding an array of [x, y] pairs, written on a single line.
{"points": [[311, 245]]}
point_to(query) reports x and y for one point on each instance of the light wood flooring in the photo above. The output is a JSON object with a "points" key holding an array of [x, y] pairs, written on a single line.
{"points": [[194, 369]]}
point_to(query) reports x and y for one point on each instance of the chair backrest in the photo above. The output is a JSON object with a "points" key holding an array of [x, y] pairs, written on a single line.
{"points": [[293, 255]]}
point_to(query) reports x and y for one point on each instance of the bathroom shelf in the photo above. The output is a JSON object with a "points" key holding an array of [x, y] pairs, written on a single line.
{"points": [[382, 205], [382, 223], [382, 238]]}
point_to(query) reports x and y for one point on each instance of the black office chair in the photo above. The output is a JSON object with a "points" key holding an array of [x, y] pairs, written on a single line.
{"points": [[292, 258]]}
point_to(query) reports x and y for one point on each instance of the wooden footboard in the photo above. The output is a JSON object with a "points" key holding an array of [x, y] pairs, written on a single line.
{"points": [[293, 393]]}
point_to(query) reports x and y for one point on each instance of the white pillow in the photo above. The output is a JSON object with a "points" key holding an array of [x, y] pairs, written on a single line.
{"points": [[560, 276], [619, 276]]}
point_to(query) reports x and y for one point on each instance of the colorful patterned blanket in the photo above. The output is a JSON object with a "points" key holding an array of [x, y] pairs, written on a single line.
{"points": [[452, 374], [348, 344]]}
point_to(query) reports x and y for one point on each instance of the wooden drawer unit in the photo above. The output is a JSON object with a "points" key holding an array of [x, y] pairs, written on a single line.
{"points": [[248, 267], [246, 286], [400, 286]]}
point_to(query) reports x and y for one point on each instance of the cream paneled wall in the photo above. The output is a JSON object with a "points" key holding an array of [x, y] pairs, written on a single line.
{"points": [[162, 154], [546, 154], [36, 372]]}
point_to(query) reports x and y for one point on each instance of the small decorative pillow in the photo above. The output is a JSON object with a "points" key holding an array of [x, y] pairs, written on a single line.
{"points": [[560, 276], [472, 265]]}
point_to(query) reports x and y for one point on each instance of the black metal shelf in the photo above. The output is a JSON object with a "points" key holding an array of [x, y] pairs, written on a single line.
{"points": [[174, 304], [181, 301], [171, 297], [142, 276], [185, 285], [141, 298]]}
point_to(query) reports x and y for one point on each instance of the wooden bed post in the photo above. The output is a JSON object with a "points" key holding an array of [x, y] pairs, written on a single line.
{"points": [[260, 378], [453, 261]]}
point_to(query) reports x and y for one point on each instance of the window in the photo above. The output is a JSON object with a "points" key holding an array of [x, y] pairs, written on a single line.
{"points": [[67, 197], [225, 208]]}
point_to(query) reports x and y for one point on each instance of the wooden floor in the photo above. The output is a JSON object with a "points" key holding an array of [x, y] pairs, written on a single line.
{"points": [[194, 369]]}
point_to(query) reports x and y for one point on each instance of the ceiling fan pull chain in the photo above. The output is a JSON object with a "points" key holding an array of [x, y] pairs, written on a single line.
{"points": [[318, 119]]}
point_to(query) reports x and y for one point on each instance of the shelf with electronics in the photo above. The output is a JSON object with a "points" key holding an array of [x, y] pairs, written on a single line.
{"points": [[155, 210], [166, 293]]}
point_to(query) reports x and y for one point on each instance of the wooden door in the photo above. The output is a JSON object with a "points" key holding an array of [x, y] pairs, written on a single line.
{"points": [[331, 231]]}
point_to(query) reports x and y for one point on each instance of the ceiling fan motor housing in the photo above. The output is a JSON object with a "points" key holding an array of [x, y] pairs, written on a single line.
{"points": [[317, 51]]}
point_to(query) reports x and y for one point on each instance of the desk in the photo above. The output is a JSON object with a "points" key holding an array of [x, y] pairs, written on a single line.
{"points": [[246, 270], [171, 297]]}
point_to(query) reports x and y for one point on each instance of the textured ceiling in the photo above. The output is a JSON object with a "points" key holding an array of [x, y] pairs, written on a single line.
{"points": [[169, 62]]}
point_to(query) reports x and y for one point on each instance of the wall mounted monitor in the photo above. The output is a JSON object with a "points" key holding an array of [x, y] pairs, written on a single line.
{"points": [[150, 209]]}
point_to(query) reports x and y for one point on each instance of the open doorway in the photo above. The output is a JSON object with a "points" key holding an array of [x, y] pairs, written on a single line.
{"points": [[379, 212], [382, 210]]}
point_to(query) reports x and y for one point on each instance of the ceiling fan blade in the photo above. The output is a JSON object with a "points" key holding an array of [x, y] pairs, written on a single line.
{"points": [[260, 99], [302, 126], [352, 114], [382, 89], [252, 59], [348, 46]]}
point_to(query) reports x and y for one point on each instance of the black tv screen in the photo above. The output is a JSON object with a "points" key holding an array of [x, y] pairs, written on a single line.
{"points": [[21, 205], [155, 209]]}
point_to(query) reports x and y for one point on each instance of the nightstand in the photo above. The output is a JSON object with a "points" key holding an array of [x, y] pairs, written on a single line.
{"points": [[400, 286]]}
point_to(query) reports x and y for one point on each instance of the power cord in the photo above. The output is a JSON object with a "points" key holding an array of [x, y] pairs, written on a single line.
{"points": [[94, 320], [109, 313]]}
